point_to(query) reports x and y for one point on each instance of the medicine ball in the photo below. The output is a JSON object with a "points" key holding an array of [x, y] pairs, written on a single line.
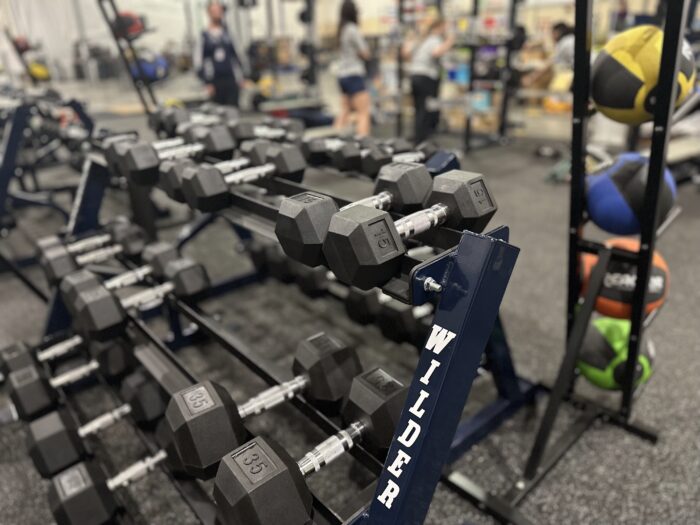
{"points": [[626, 72], [603, 355], [615, 195], [615, 298]]}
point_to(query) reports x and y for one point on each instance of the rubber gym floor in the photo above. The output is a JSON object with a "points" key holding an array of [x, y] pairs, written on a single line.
{"points": [[608, 477]]}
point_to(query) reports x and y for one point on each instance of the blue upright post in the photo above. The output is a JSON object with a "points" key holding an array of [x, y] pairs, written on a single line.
{"points": [[79, 110], [14, 137], [471, 281], [84, 217], [85, 213]]}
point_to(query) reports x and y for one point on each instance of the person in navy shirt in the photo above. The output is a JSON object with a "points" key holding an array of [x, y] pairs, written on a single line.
{"points": [[220, 68]]}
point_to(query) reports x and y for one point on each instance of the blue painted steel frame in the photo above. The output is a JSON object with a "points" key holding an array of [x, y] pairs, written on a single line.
{"points": [[84, 217], [474, 278], [13, 140], [79, 110]]}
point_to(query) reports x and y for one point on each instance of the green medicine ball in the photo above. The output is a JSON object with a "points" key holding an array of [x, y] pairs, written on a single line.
{"points": [[604, 354]]}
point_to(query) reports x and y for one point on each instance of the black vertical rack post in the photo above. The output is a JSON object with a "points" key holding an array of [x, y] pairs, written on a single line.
{"points": [[399, 71], [271, 45], [310, 7], [579, 311], [676, 17], [145, 92], [470, 86], [506, 72], [143, 209]]}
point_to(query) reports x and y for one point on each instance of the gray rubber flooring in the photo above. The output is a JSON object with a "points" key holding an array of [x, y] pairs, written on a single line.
{"points": [[608, 477]]}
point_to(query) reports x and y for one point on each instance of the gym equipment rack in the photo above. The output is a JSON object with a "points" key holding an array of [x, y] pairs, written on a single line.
{"points": [[579, 312], [501, 135], [16, 136], [469, 279], [144, 90]]}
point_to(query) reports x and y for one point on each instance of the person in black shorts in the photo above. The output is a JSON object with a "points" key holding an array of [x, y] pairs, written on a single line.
{"points": [[351, 72]]}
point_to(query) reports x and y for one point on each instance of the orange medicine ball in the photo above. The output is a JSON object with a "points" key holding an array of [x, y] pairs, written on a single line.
{"points": [[615, 298]]}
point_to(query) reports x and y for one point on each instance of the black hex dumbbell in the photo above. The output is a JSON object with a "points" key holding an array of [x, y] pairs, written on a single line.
{"points": [[156, 255], [206, 422], [260, 483], [32, 393], [185, 183], [210, 192], [320, 151], [87, 243], [436, 161], [140, 162], [303, 220], [100, 314], [114, 151], [55, 440], [84, 495], [174, 121], [13, 357], [351, 157], [401, 322], [244, 130], [364, 246], [61, 260]]}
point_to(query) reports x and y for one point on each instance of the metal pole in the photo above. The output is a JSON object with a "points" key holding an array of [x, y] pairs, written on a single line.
{"points": [[579, 132], [83, 51], [507, 71], [236, 17], [139, 84], [281, 17], [189, 25], [311, 37], [470, 89], [676, 17], [272, 52], [399, 74], [567, 367]]}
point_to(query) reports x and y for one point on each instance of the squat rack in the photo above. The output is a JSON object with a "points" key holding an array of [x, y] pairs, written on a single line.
{"points": [[579, 311]]}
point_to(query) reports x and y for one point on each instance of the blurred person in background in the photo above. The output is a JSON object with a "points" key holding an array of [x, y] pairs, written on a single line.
{"points": [[352, 73], [220, 68], [424, 67], [561, 61]]}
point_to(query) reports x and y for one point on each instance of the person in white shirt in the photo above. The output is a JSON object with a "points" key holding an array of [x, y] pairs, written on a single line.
{"points": [[425, 70], [351, 72]]}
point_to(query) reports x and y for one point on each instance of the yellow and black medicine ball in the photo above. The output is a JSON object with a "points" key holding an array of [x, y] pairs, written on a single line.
{"points": [[626, 72]]}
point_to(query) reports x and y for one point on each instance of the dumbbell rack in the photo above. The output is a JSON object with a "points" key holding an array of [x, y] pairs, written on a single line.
{"points": [[579, 311], [144, 90], [14, 139], [470, 276], [163, 367]]}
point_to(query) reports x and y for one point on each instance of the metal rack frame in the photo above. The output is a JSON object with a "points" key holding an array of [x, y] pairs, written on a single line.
{"points": [[579, 311], [472, 278], [144, 90]]}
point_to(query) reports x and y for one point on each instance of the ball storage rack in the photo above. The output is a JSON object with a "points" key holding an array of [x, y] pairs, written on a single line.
{"points": [[542, 458]]}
